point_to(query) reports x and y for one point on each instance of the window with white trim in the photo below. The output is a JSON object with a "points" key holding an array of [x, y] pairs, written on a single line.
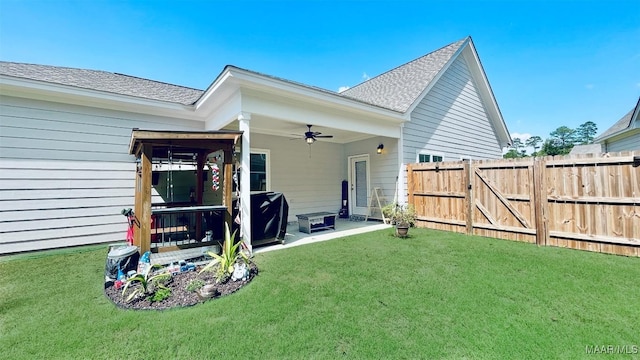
{"points": [[429, 156], [260, 170]]}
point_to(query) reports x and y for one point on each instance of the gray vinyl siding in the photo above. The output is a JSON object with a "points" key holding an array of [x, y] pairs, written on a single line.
{"points": [[383, 168], [630, 142], [310, 177], [451, 120], [65, 173]]}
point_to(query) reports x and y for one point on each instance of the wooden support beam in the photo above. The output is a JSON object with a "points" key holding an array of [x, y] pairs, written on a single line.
{"points": [[596, 238], [441, 221], [540, 204], [486, 213], [509, 229], [595, 200], [468, 178], [449, 194], [144, 203], [410, 184]]}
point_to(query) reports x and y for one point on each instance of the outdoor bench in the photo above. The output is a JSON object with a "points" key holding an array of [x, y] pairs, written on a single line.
{"points": [[317, 221]]}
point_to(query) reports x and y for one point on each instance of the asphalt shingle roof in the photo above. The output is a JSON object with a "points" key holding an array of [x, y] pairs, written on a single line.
{"points": [[396, 89], [399, 88], [102, 81], [620, 125]]}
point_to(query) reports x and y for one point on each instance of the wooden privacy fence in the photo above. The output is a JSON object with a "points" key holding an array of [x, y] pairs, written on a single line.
{"points": [[587, 202]]}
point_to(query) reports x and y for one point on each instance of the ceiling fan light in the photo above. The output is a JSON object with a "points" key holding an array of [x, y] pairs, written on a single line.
{"points": [[310, 140]]}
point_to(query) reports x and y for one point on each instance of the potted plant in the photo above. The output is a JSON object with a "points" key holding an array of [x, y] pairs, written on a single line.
{"points": [[403, 216]]}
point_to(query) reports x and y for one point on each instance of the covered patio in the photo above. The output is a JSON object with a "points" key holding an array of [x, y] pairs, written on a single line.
{"points": [[358, 143]]}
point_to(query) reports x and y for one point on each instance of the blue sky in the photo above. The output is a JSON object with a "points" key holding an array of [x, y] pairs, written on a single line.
{"points": [[550, 63]]}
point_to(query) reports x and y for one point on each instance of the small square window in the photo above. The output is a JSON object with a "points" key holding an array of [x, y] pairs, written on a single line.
{"points": [[424, 158]]}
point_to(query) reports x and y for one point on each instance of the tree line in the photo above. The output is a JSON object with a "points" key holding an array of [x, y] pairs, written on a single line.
{"points": [[559, 142]]}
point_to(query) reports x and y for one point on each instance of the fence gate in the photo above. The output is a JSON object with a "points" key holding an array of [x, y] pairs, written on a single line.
{"points": [[501, 200], [588, 202]]}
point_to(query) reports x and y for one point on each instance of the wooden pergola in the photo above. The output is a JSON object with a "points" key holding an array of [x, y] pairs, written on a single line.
{"points": [[147, 145]]}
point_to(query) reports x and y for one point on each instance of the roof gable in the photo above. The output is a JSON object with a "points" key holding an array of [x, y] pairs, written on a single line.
{"points": [[625, 123], [102, 81], [399, 88]]}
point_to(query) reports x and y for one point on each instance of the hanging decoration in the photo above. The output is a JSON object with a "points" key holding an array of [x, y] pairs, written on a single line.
{"points": [[215, 176], [170, 175]]}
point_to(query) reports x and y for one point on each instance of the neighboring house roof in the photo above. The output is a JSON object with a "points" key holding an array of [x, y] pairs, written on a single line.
{"points": [[399, 88], [102, 81], [622, 125], [586, 149]]}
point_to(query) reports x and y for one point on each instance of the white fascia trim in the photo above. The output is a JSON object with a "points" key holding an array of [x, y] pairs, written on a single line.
{"points": [[58, 93], [303, 93], [620, 135], [485, 89], [214, 87], [225, 112]]}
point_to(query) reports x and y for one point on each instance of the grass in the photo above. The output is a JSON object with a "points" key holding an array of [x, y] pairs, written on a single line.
{"points": [[433, 295]]}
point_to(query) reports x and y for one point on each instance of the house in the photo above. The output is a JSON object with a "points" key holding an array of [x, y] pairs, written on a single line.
{"points": [[624, 135], [64, 137], [586, 149]]}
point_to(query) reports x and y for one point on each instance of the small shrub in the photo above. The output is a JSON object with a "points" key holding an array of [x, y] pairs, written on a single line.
{"points": [[195, 285], [220, 275], [145, 280], [162, 293], [161, 280], [400, 214]]}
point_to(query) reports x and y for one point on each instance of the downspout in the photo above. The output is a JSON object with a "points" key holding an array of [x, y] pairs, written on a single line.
{"points": [[402, 173]]}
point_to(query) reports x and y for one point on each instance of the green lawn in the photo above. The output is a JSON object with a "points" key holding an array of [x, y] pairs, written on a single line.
{"points": [[433, 295]]}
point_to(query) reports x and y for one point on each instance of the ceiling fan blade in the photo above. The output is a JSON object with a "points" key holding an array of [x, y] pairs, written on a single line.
{"points": [[324, 136]]}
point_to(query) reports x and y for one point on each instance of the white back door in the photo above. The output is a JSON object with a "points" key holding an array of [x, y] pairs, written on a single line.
{"points": [[358, 184]]}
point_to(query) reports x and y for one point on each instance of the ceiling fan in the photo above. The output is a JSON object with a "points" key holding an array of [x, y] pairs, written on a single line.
{"points": [[311, 136]]}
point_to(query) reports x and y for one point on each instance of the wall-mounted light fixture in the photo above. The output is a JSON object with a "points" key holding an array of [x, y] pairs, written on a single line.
{"points": [[379, 150]]}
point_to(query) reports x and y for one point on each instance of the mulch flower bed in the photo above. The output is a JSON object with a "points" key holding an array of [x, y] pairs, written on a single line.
{"points": [[180, 296]]}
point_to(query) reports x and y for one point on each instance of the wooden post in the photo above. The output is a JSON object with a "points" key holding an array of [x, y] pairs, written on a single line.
{"points": [[410, 185], [142, 234], [469, 195], [144, 216], [540, 202]]}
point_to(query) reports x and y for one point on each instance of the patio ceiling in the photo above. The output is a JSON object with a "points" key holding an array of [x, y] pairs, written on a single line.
{"points": [[291, 130]]}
